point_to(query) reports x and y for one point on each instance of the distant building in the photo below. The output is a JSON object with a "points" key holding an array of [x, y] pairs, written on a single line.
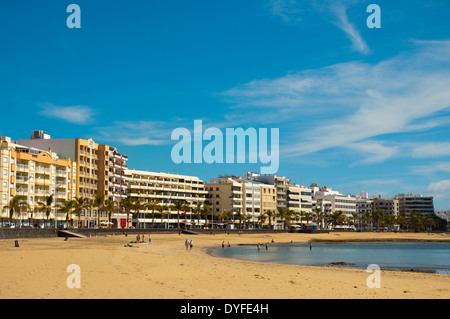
{"points": [[289, 196], [387, 206], [338, 201], [418, 203]]}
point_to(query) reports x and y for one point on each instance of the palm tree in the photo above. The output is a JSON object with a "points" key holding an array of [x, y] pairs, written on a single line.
{"points": [[137, 207], [401, 220], [152, 205], [281, 212], [178, 206], [109, 209], [308, 217], [127, 205], [415, 220], [98, 203], [186, 208], [227, 214], [368, 219], [205, 212], [262, 218], [31, 212], [337, 218], [378, 217], [47, 206], [270, 214], [80, 203], [355, 217], [161, 208], [66, 207], [198, 212], [318, 216], [288, 215], [15, 205], [240, 216], [389, 220], [429, 221]]}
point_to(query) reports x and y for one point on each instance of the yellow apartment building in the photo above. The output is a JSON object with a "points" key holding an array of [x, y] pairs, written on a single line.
{"points": [[34, 174], [92, 174]]}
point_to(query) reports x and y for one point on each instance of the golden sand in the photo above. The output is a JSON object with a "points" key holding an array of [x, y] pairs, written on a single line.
{"points": [[165, 269]]}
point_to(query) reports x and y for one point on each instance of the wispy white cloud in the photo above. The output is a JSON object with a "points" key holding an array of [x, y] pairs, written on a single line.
{"points": [[350, 30], [373, 152], [77, 114], [134, 133], [352, 103], [440, 189], [431, 168], [431, 149], [334, 12], [288, 10]]}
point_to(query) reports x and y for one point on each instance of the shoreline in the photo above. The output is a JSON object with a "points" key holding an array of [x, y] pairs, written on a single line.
{"points": [[166, 270], [211, 251]]}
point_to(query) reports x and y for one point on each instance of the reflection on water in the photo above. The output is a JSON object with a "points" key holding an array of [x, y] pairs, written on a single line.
{"points": [[406, 256]]}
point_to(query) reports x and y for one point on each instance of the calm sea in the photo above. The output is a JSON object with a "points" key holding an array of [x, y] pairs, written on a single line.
{"points": [[405, 256]]}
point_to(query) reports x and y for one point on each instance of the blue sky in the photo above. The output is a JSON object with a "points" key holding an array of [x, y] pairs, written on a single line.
{"points": [[358, 109]]}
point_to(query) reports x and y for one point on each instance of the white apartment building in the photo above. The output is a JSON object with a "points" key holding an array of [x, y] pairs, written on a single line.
{"points": [[165, 190], [338, 202]]}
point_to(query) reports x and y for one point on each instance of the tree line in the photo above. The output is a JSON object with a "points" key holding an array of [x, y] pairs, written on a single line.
{"points": [[375, 221]]}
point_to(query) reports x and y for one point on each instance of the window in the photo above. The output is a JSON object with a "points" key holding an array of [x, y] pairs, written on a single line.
{"points": [[5, 185]]}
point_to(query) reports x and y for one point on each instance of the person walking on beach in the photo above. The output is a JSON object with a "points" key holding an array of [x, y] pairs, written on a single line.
{"points": [[149, 239], [186, 243], [310, 245], [191, 243], [259, 247], [267, 246], [223, 245]]}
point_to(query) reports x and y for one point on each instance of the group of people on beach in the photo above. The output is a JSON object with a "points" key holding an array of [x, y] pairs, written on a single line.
{"points": [[259, 246], [223, 244], [188, 243], [139, 241]]}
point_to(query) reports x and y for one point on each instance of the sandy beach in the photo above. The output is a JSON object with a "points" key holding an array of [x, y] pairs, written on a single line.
{"points": [[166, 270]]}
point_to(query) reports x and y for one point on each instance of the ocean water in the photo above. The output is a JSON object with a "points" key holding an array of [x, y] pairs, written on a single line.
{"points": [[405, 256]]}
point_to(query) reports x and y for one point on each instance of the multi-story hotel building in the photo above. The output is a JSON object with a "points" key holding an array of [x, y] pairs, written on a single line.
{"points": [[34, 174], [418, 203], [165, 190], [117, 180], [387, 206], [226, 198], [291, 197], [240, 197], [247, 197], [299, 199], [268, 199], [92, 169], [339, 202], [281, 184]]}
